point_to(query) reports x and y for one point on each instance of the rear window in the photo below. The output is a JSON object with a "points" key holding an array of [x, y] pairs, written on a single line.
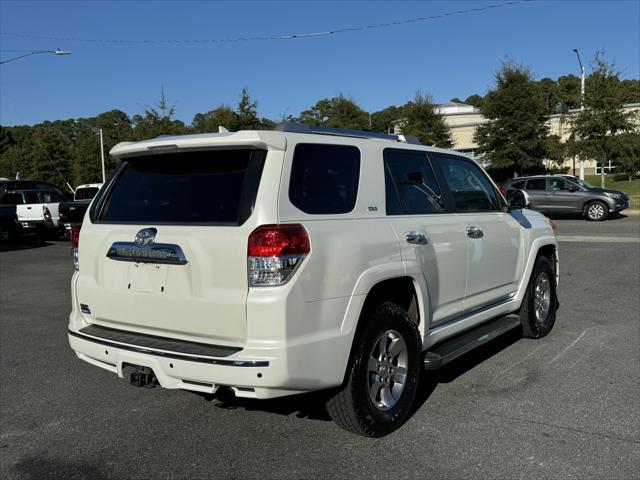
{"points": [[216, 187], [86, 193], [324, 178], [12, 199]]}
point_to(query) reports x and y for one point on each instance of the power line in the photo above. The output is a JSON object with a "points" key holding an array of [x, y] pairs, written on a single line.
{"points": [[273, 37]]}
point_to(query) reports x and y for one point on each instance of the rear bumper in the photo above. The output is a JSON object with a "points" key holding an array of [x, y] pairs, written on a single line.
{"points": [[253, 373]]}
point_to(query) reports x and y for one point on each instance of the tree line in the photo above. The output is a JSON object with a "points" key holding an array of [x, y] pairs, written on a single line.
{"points": [[516, 137]]}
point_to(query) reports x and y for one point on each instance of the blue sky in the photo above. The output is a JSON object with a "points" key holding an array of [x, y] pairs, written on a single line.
{"points": [[448, 57]]}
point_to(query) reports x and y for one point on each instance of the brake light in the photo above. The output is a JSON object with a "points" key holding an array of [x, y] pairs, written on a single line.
{"points": [[75, 242], [502, 189], [75, 235], [274, 252], [46, 212]]}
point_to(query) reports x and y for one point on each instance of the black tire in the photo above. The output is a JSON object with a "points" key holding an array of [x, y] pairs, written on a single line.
{"points": [[596, 211], [352, 407], [535, 325]]}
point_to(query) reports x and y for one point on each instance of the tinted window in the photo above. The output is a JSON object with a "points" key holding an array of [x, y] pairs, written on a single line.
{"points": [[536, 184], [50, 197], [211, 187], [12, 199], [86, 193], [517, 185], [414, 183], [324, 178], [557, 184], [32, 197], [470, 188]]}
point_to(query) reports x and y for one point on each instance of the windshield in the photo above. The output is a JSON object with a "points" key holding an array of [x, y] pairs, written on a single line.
{"points": [[584, 184]]}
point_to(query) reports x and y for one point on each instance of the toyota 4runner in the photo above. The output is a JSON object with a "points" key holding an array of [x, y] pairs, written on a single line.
{"points": [[306, 258]]}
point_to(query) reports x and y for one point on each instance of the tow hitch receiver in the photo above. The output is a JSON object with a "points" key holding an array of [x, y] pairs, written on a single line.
{"points": [[141, 376]]}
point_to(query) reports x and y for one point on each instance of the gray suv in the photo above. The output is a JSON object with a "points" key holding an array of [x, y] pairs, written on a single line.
{"points": [[566, 194]]}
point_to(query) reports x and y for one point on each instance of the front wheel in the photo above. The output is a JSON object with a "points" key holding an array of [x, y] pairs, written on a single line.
{"points": [[596, 211], [538, 311], [382, 375]]}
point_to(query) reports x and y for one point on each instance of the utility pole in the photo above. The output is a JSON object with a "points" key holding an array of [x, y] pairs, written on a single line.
{"points": [[582, 73]]}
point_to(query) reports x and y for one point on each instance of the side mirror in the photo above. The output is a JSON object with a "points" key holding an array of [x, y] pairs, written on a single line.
{"points": [[518, 199]]}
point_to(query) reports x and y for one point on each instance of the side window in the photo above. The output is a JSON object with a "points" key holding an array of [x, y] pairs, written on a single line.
{"points": [[411, 182], [31, 197], [517, 185], [324, 178], [50, 197], [557, 184], [469, 186], [536, 184]]}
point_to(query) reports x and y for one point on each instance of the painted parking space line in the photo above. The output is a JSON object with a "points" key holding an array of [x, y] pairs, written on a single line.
{"points": [[596, 239]]}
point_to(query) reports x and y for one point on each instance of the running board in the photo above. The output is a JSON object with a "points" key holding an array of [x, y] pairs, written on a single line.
{"points": [[448, 350]]}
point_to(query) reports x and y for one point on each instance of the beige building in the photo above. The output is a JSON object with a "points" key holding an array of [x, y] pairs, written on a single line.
{"points": [[463, 119]]}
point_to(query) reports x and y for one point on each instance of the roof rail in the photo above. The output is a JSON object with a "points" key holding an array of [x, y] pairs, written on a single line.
{"points": [[304, 128]]}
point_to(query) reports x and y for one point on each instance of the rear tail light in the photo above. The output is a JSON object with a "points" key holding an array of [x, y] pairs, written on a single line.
{"points": [[503, 190], [274, 252], [75, 242], [46, 213]]}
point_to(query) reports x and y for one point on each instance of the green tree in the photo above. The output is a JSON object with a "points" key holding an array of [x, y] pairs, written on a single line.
{"points": [[475, 100], [603, 119], [223, 116], [515, 134], [157, 120], [339, 112], [569, 86], [629, 160], [631, 91], [551, 94], [385, 120], [422, 121], [247, 112]]}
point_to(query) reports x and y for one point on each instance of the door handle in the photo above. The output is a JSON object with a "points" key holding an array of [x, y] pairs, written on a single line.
{"points": [[416, 238], [474, 232]]}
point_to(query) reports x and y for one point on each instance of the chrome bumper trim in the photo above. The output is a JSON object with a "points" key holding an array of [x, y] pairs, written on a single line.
{"points": [[167, 354]]}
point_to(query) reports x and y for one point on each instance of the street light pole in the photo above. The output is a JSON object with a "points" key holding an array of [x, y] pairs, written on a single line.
{"points": [[104, 178], [36, 52], [582, 73]]}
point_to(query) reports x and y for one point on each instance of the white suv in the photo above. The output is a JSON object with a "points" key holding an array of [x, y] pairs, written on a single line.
{"points": [[305, 258]]}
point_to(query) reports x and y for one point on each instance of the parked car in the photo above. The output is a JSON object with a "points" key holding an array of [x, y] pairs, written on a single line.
{"points": [[72, 213], [6, 185], [566, 194], [37, 210], [278, 262]]}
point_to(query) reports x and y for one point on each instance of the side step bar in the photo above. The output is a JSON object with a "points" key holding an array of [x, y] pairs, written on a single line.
{"points": [[448, 350]]}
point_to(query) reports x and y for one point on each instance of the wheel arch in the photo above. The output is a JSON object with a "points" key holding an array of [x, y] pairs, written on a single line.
{"points": [[401, 289]]}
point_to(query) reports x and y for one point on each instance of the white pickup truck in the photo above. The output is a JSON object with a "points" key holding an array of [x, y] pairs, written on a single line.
{"points": [[37, 210]]}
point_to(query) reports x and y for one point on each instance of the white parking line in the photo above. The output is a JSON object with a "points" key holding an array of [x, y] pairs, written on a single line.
{"points": [[597, 239]]}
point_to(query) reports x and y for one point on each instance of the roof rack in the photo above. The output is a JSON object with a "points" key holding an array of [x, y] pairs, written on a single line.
{"points": [[304, 128]]}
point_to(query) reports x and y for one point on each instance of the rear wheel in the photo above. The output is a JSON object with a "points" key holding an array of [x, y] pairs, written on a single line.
{"points": [[382, 376], [596, 211], [538, 311]]}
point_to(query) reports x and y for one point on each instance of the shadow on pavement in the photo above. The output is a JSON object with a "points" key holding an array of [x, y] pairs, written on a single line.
{"points": [[577, 216], [311, 406]]}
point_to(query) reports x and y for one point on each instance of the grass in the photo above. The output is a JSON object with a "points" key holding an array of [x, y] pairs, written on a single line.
{"points": [[631, 188]]}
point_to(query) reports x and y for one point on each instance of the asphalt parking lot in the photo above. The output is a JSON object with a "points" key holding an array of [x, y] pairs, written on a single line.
{"points": [[566, 406]]}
